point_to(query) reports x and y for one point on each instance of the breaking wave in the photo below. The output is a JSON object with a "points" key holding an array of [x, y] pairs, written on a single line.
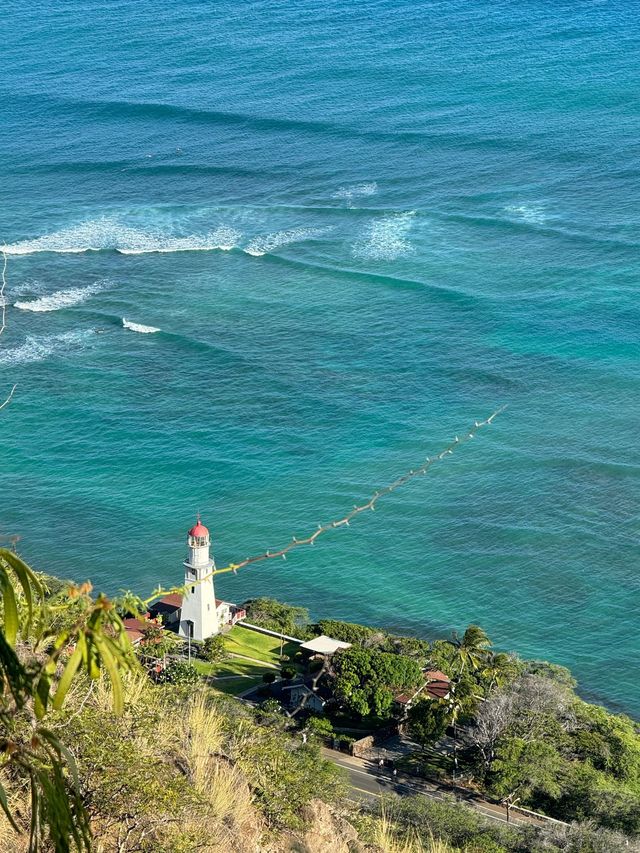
{"points": [[62, 298], [39, 347], [531, 213], [385, 239], [269, 242], [349, 193], [138, 327], [109, 234]]}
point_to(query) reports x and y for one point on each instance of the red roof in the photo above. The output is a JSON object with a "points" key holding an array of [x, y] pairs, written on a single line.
{"points": [[438, 689], [174, 599], [136, 624], [198, 529], [436, 675]]}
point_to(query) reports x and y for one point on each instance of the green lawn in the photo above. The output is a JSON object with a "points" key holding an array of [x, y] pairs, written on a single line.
{"points": [[235, 686], [230, 666], [244, 641]]}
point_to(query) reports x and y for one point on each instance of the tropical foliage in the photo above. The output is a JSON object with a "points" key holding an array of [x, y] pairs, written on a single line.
{"points": [[46, 646], [365, 680], [276, 616]]}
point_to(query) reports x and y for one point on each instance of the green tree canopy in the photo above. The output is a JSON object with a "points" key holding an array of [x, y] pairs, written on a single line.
{"points": [[365, 680], [276, 616], [348, 632], [428, 720], [472, 648]]}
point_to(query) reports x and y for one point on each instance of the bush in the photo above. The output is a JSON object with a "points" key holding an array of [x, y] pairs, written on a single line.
{"points": [[214, 649], [347, 632], [179, 672], [288, 672], [319, 726], [276, 616]]}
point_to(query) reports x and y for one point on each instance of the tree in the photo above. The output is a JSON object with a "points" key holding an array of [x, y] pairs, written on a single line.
{"points": [[471, 649], [552, 671], [522, 768], [319, 726], [45, 647], [497, 670], [156, 643], [214, 649], [410, 647], [366, 680], [276, 616], [348, 632], [179, 672], [428, 720]]}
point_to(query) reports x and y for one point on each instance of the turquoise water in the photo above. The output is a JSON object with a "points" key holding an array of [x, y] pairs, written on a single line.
{"points": [[358, 228]]}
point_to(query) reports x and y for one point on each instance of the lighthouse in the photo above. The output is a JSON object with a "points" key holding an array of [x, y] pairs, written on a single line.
{"points": [[199, 614]]}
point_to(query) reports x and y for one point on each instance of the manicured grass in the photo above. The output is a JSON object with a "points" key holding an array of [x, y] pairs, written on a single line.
{"points": [[230, 666], [235, 686], [244, 641], [237, 666]]}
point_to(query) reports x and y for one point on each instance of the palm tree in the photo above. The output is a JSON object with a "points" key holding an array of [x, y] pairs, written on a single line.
{"points": [[473, 649], [498, 668]]}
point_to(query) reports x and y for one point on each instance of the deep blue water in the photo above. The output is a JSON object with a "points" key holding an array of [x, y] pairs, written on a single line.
{"points": [[358, 228]]}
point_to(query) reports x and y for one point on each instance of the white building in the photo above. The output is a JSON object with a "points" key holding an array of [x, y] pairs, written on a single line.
{"points": [[198, 613]]}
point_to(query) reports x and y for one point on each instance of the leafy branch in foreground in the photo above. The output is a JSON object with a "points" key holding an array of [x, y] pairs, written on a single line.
{"points": [[45, 643]]}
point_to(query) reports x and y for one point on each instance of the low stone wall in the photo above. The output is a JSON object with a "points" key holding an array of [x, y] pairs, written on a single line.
{"points": [[260, 630], [361, 748]]}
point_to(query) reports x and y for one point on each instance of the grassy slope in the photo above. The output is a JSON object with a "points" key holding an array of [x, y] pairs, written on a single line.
{"points": [[244, 641]]}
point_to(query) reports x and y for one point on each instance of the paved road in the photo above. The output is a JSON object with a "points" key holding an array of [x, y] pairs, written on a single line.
{"points": [[368, 783]]}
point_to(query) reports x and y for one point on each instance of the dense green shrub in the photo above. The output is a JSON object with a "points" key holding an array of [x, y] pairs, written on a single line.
{"points": [[365, 680]]}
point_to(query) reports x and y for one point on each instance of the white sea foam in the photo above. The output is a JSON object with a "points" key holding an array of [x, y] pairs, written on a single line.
{"points": [[385, 239], [30, 287], [534, 214], [62, 298], [138, 327], [349, 193], [100, 234], [39, 347], [270, 242]]}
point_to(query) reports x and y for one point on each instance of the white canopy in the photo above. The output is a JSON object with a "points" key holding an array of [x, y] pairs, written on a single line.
{"points": [[324, 645]]}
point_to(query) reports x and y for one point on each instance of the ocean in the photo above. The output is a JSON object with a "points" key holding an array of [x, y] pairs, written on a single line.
{"points": [[339, 234]]}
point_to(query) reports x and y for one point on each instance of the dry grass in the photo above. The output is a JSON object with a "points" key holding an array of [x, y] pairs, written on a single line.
{"points": [[227, 805], [387, 839]]}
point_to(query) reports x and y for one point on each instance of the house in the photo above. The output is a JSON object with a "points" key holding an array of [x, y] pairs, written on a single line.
{"points": [[170, 607], [301, 696], [436, 685], [134, 629]]}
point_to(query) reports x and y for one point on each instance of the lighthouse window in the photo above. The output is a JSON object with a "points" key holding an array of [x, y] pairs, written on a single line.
{"points": [[193, 589]]}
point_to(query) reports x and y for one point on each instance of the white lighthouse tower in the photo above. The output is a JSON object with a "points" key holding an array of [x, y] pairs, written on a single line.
{"points": [[199, 616]]}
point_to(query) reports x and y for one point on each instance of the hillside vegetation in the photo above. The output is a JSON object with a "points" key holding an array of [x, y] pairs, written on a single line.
{"points": [[97, 755]]}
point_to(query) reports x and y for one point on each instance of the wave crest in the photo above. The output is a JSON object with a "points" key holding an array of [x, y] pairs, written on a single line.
{"points": [[385, 238], [534, 214], [138, 327], [349, 193], [39, 347], [108, 234], [62, 298], [269, 242]]}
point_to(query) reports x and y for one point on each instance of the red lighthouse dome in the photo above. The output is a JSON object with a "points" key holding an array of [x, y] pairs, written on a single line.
{"points": [[198, 530]]}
